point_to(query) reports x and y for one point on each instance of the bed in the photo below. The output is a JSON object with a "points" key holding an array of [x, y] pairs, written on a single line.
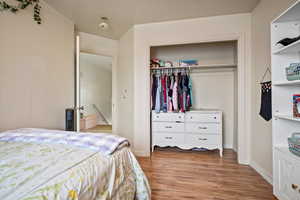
{"points": [[40, 164]]}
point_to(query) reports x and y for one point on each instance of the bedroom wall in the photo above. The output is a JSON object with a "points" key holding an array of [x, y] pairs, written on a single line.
{"points": [[36, 69], [125, 86], [261, 137], [179, 32]]}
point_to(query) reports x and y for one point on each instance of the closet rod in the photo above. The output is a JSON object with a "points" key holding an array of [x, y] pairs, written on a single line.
{"points": [[198, 67]]}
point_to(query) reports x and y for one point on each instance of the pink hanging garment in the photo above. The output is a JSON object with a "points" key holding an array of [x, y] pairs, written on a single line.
{"points": [[175, 95]]}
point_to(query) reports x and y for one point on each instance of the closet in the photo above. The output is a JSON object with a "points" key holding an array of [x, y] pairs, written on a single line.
{"points": [[202, 114]]}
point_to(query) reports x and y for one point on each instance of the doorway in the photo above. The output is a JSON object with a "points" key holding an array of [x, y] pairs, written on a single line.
{"points": [[95, 93]]}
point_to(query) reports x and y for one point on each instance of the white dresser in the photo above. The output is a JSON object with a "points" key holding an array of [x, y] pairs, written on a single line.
{"points": [[194, 129]]}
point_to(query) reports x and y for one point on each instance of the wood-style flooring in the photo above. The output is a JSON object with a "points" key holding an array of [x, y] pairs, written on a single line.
{"points": [[177, 175], [99, 129]]}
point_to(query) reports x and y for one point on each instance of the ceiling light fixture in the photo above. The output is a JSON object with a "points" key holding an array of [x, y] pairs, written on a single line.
{"points": [[104, 23]]}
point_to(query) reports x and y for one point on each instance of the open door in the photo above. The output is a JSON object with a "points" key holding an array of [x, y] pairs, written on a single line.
{"points": [[77, 85]]}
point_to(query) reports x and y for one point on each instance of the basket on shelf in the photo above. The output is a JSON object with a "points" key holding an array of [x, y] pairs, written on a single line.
{"points": [[294, 144], [293, 72]]}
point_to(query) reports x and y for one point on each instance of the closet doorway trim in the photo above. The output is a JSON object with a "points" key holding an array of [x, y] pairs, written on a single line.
{"points": [[244, 91]]}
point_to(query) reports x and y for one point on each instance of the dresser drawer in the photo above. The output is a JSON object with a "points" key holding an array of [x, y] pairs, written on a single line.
{"points": [[167, 117], [164, 140], [287, 176], [202, 117], [172, 127], [203, 128], [204, 141]]}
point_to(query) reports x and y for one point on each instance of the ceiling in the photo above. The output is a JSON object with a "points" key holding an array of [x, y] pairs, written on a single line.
{"points": [[123, 14]]}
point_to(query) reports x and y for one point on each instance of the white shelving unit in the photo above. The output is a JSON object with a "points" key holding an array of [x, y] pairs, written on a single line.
{"points": [[286, 83], [287, 117], [292, 48], [286, 173]]}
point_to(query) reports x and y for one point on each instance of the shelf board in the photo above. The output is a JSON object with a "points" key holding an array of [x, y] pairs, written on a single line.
{"points": [[292, 48], [287, 117], [286, 83], [206, 66], [286, 151]]}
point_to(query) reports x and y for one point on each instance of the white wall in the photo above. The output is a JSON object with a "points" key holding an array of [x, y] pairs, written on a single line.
{"points": [[125, 86], [205, 53], [96, 85], [183, 32], [36, 69], [261, 137], [215, 90], [95, 44]]}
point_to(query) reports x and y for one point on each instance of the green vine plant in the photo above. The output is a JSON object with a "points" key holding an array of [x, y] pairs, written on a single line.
{"points": [[21, 5]]}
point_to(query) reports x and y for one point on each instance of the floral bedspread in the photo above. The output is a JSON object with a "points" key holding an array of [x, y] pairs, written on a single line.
{"points": [[47, 171]]}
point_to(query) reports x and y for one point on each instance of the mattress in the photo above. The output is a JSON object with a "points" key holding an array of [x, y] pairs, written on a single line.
{"points": [[40, 170]]}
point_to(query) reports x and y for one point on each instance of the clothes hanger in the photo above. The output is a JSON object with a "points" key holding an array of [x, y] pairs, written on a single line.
{"points": [[265, 74]]}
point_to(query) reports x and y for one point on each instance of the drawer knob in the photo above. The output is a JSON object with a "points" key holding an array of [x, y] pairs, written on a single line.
{"points": [[203, 128], [202, 139], [168, 138], [294, 186], [168, 126]]}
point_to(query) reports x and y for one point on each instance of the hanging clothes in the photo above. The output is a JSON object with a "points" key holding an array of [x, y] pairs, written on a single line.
{"points": [[175, 94], [153, 91], [171, 92], [157, 96], [190, 92]]}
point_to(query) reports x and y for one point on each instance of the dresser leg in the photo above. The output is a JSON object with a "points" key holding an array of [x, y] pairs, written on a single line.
{"points": [[221, 152]]}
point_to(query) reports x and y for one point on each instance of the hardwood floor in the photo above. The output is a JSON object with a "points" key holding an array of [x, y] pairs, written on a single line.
{"points": [[99, 129], [177, 175]]}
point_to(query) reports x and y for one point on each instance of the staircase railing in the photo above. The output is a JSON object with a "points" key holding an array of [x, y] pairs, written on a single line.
{"points": [[100, 113]]}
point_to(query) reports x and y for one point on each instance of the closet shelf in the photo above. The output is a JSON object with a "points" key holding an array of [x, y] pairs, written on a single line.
{"points": [[292, 48], [205, 66], [286, 83], [287, 117]]}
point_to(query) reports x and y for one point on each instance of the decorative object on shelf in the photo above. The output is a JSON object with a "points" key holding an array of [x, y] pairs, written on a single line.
{"points": [[266, 97], [186, 63], [168, 64], [21, 5], [154, 63], [288, 41], [296, 105], [293, 72], [294, 144]]}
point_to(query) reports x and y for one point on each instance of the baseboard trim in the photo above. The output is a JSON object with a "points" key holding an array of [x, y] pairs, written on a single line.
{"points": [[227, 146], [268, 177], [141, 153]]}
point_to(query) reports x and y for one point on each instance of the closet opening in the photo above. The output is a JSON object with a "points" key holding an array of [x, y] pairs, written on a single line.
{"points": [[194, 96]]}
